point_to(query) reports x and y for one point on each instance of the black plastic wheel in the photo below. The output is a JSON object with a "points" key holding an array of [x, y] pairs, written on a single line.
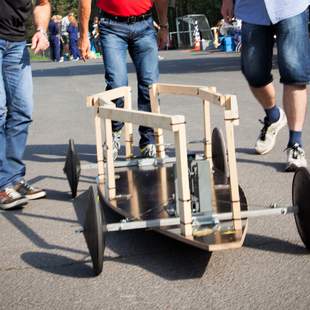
{"points": [[301, 200], [72, 167], [94, 230], [219, 154]]}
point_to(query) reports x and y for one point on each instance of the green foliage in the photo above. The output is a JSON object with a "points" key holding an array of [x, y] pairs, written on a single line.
{"points": [[210, 8], [63, 7]]}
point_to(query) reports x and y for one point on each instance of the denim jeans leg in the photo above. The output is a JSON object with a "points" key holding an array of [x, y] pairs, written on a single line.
{"points": [[113, 38], [256, 54], [16, 106], [294, 49], [143, 50]]}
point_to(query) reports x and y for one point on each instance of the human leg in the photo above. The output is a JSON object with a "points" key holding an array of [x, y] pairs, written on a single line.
{"points": [[256, 61], [56, 48], [114, 43], [17, 79], [74, 49], [294, 67], [144, 53], [15, 117]]}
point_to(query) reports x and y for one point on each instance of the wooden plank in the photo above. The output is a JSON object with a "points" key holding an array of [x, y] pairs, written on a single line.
{"points": [[231, 109], [99, 148], [178, 89], [155, 108], [128, 128], [110, 162], [206, 93], [235, 199], [108, 95], [207, 131], [148, 119], [183, 182]]}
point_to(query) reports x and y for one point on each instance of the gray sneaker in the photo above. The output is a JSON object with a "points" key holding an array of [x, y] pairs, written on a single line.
{"points": [[267, 137], [296, 158], [10, 198], [148, 151], [116, 136]]}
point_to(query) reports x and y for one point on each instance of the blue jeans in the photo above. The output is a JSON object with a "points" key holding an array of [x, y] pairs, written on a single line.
{"points": [[55, 48], [139, 39], [15, 109], [292, 38]]}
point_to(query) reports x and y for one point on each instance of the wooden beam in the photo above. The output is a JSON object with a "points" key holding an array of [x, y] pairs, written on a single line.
{"points": [[99, 148], [111, 187], [183, 181], [128, 128], [233, 175], [109, 95], [178, 89], [148, 119], [231, 109], [206, 93], [155, 108]]}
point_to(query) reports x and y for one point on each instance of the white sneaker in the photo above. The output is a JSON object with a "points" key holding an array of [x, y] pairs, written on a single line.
{"points": [[148, 151], [267, 137], [296, 158], [10, 198]]}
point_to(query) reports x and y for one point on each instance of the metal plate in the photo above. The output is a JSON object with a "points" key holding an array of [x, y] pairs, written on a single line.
{"points": [[149, 194], [301, 199], [220, 237], [72, 168], [94, 230], [219, 155]]}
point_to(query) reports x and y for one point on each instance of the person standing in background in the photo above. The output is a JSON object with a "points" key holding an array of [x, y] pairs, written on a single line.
{"points": [[73, 39], [54, 35], [16, 100], [65, 22]]}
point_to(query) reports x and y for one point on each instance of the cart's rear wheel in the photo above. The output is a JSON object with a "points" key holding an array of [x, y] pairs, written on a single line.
{"points": [[72, 167], [301, 200], [95, 229], [219, 154]]}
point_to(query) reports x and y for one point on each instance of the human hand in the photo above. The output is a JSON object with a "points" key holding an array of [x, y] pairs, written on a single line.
{"points": [[227, 10], [39, 41], [162, 37], [84, 47]]}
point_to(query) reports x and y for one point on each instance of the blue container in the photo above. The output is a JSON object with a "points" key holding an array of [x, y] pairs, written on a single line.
{"points": [[229, 44]]}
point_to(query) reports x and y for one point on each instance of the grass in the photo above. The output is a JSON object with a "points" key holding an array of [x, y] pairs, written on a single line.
{"points": [[38, 57]]}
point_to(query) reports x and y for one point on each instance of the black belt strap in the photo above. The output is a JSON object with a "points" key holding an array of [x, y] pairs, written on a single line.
{"points": [[126, 19]]}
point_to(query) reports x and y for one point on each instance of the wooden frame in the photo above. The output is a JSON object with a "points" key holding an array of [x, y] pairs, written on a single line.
{"points": [[209, 96], [106, 111]]}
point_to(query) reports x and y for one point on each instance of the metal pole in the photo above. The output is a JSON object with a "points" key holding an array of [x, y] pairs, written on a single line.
{"points": [[197, 220]]}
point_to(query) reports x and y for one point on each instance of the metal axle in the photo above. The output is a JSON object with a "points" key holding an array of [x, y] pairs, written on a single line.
{"points": [[198, 220]]}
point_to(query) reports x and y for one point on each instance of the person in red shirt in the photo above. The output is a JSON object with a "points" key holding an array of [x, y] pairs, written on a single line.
{"points": [[126, 26]]}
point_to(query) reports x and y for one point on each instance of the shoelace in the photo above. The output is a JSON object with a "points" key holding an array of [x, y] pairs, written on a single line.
{"points": [[263, 131], [11, 192], [27, 186], [297, 151]]}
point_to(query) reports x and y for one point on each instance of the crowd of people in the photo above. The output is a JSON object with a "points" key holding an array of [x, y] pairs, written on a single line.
{"points": [[63, 37]]}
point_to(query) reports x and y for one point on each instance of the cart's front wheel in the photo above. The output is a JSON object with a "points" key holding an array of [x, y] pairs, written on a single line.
{"points": [[95, 230]]}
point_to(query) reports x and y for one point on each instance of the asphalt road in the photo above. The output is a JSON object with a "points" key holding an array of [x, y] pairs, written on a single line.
{"points": [[44, 264]]}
